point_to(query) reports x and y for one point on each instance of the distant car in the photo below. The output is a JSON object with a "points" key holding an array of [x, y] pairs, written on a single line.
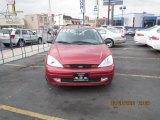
{"points": [[122, 28], [130, 32], [111, 36], [141, 36], [79, 57], [18, 37], [154, 40]]}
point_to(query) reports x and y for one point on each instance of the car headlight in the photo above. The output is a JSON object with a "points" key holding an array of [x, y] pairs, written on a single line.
{"points": [[51, 61], [108, 61]]}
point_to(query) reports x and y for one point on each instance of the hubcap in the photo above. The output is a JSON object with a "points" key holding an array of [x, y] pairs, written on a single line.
{"points": [[21, 44], [40, 41], [109, 43]]}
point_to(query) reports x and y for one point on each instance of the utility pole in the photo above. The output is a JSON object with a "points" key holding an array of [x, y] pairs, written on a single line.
{"points": [[83, 18], [112, 18], [97, 13], [109, 4], [84, 8], [49, 13]]}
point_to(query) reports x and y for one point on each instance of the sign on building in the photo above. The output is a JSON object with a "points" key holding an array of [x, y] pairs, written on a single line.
{"points": [[115, 2]]}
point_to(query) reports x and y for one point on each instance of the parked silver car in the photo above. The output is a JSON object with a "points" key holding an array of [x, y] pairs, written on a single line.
{"points": [[112, 36], [18, 37]]}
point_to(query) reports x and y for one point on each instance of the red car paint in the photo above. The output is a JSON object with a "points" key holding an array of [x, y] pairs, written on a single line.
{"points": [[70, 54]]}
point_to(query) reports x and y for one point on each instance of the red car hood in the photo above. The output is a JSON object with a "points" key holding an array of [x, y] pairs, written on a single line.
{"points": [[79, 54]]}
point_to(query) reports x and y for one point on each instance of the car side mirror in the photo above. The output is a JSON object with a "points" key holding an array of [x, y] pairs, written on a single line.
{"points": [[49, 32]]}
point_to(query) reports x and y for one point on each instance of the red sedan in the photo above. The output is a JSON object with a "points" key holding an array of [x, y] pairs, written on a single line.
{"points": [[79, 57]]}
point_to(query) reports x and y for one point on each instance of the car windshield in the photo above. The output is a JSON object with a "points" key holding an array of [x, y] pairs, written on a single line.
{"points": [[78, 36]]}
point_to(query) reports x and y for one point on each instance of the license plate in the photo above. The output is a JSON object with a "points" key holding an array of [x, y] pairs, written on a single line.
{"points": [[80, 77]]}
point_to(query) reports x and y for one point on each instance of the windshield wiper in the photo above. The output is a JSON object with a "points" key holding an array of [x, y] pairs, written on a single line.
{"points": [[63, 42], [83, 42]]}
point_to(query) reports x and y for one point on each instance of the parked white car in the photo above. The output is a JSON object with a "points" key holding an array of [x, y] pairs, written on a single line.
{"points": [[112, 36], [154, 40], [18, 37], [141, 36]]}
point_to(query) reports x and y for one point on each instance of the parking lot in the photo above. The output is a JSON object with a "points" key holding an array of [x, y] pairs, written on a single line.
{"points": [[133, 95]]}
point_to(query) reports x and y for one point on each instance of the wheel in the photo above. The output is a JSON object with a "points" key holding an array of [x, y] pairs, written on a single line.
{"points": [[21, 43], [39, 40], [109, 42], [6, 45]]}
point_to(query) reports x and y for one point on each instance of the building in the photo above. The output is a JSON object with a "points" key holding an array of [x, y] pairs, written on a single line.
{"points": [[42, 21], [11, 22], [39, 21], [62, 20], [136, 20]]}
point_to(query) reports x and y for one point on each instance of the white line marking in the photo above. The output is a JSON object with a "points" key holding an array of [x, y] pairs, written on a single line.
{"points": [[42, 54], [128, 57], [133, 49], [143, 76], [15, 65], [18, 65]]}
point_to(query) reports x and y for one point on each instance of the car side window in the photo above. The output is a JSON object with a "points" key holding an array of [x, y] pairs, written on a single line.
{"points": [[102, 31], [24, 32], [158, 30], [30, 33], [17, 32]]}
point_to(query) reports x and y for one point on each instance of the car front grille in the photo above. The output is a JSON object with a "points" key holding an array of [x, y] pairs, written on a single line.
{"points": [[80, 66]]}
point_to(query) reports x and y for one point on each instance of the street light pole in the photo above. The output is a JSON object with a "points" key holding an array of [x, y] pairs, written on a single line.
{"points": [[97, 22], [109, 4], [112, 18], [83, 18], [122, 9]]}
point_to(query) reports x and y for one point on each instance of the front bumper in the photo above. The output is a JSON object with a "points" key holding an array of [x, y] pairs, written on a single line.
{"points": [[63, 73]]}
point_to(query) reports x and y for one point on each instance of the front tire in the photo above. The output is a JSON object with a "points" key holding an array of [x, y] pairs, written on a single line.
{"points": [[109, 42]]}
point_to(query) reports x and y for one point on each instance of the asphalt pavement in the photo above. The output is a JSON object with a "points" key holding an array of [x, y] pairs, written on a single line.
{"points": [[133, 95]]}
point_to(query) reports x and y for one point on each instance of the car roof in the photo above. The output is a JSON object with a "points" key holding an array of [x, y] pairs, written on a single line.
{"points": [[78, 26]]}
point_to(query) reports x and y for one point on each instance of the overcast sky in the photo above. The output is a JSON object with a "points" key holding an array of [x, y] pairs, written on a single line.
{"points": [[71, 7]]}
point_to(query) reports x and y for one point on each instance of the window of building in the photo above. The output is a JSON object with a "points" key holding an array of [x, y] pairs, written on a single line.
{"points": [[32, 18], [41, 19], [45, 19], [52, 19], [158, 22]]}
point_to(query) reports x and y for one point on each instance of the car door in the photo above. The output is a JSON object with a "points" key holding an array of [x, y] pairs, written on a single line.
{"points": [[26, 36], [33, 37]]}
